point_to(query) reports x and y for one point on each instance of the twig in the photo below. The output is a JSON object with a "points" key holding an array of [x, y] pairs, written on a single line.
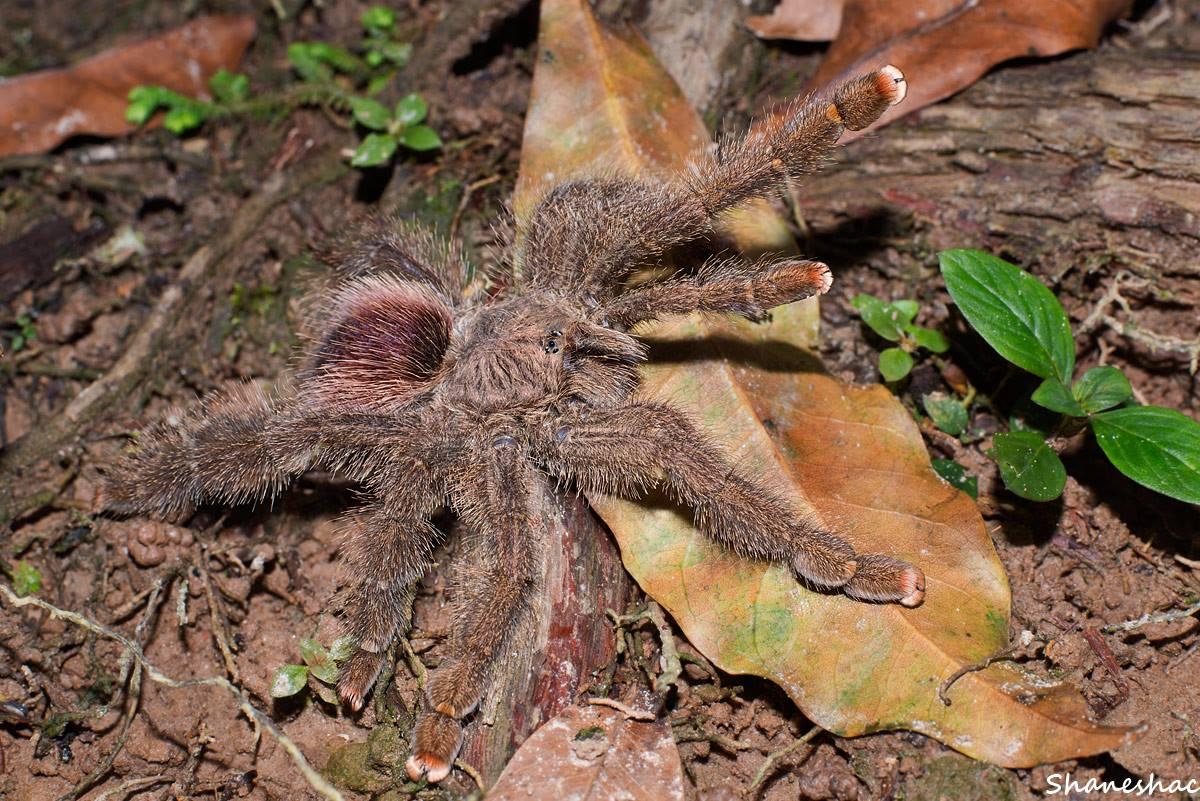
{"points": [[974, 668], [1154, 617], [1095, 641], [217, 618], [314, 779], [133, 785], [466, 198], [626, 710], [768, 766], [470, 771]]}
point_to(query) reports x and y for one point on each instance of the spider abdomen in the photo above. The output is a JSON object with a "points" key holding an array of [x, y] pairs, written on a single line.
{"points": [[386, 340]]}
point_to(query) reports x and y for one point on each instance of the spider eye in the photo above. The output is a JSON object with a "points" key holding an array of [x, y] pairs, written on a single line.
{"points": [[550, 343]]}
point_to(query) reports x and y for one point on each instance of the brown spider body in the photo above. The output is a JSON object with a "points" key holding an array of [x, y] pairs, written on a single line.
{"points": [[430, 400]]}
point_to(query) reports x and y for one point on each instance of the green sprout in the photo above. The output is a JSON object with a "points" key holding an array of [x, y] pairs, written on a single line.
{"points": [[894, 322], [24, 332], [319, 671], [1022, 321]]}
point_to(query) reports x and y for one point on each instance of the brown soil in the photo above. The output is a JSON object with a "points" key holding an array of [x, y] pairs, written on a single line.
{"points": [[258, 581]]}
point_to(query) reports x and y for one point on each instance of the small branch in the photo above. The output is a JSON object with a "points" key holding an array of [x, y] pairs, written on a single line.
{"points": [[974, 668], [314, 779], [768, 766], [626, 710], [1155, 617]]}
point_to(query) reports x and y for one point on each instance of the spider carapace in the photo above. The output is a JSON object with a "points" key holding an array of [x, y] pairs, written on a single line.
{"points": [[431, 399]]}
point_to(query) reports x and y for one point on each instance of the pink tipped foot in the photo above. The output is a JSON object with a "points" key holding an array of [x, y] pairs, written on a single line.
{"points": [[882, 579], [913, 581], [892, 85], [436, 740], [427, 766]]}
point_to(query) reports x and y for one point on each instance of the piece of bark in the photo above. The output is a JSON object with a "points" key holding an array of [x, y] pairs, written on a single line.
{"points": [[1089, 154], [567, 636]]}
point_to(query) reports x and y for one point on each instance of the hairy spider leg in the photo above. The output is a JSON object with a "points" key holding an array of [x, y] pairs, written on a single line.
{"points": [[495, 502], [586, 236]]}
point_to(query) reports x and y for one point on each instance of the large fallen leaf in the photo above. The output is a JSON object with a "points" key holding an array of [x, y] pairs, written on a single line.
{"points": [[602, 103], [40, 110], [594, 752], [941, 45]]}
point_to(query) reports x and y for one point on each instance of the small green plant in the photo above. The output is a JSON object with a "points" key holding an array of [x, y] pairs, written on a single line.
{"points": [[894, 322], [229, 91], [23, 332], [1022, 321], [319, 671], [391, 129], [330, 76]]}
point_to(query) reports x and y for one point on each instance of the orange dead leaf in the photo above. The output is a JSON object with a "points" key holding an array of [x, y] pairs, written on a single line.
{"points": [[594, 752], [41, 110], [942, 46], [602, 104]]}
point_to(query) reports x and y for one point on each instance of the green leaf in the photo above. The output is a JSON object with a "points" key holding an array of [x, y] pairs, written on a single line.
{"points": [[1029, 467], [342, 648], [26, 578], [336, 57], [1053, 395], [373, 58], [895, 363], [376, 149], [370, 113], [906, 310], [229, 87], [319, 662], [379, 18], [325, 693], [1102, 388], [143, 102], [289, 680], [396, 52], [956, 476], [312, 652], [929, 339], [948, 414], [181, 119], [1156, 447], [1012, 310], [880, 317], [307, 63], [420, 137], [411, 109], [326, 671]]}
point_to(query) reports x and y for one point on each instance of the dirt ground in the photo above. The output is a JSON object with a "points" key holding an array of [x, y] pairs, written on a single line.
{"points": [[233, 594]]}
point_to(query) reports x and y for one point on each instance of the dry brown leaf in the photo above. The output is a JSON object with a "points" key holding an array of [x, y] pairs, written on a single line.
{"points": [[802, 21], [40, 110], [942, 46], [594, 752], [602, 104]]}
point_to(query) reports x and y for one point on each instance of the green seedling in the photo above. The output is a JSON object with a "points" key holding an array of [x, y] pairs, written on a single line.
{"points": [[1022, 321], [23, 332], [894, 322], [318, 673]]}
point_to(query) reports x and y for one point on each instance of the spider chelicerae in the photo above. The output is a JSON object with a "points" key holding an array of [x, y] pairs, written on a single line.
{"points": [[430, 399]]}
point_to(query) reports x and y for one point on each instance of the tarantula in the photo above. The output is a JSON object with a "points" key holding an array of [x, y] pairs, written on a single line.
{"points": [[429, 399]]}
